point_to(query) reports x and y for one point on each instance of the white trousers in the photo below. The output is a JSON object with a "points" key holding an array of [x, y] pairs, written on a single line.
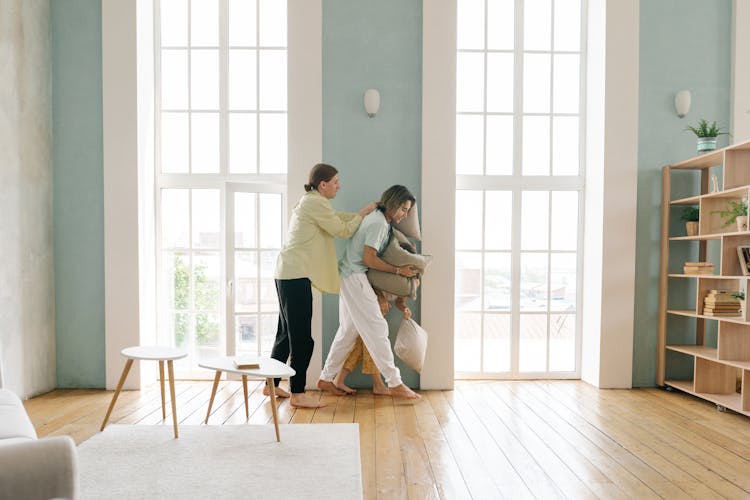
{"points": [[359, 315]]}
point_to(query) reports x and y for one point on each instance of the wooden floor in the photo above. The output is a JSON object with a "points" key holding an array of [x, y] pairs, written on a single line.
{"points": [[485, 439]]}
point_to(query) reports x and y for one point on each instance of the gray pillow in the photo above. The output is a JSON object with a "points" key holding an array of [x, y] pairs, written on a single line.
{"points": [[396, 255], [410, 225]]}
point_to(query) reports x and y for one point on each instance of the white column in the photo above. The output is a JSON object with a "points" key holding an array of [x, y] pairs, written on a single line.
{"points": [[305, 126], [438, 187]]}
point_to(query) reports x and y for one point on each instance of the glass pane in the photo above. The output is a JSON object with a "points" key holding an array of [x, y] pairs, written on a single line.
{"points": [[500, 82], [204, 143], [566, 88], [499, 145], [536, 83], [246, 330], [564, 229], [174, 22], [468, 347], [207, 327], [468, 281], [206, 218], [175, 143], [204, 79], [501, 24], [242, 22], [532, 348], [272, 69], [204, 23], [176, 276], [534, 220], [496, 343], [174, 78], [269, 302], [497, 277], [563, 282], [469, 82], [565, 145], [470, 24], [562, 343], [272, 23], [175, 218], [499, 212], [568, 25], [245, 281], [533, 282], [469, 144], [537, 25], [268, 324], [242, 79], [206, 276], [244, 220], [271, 220], [273, 146], [468, 220], [536, 148], [180, 329], [243, 143]]}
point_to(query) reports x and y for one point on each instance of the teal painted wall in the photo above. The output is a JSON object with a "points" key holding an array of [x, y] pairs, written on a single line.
{"points": [[684, 44], [78, 192], [371, 45]]}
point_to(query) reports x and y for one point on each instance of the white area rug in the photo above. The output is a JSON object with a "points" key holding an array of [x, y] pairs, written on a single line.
{"points": [[129, 462]]}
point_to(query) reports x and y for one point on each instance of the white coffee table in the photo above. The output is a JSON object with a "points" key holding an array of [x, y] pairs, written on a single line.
{"points": [[150, 353], [269, 370]]}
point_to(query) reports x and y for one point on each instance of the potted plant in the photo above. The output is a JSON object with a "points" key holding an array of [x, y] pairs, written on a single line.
{"points": [[737, 212], [690, 216], [706, 135]]}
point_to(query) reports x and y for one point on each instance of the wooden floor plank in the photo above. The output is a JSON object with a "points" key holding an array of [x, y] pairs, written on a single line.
{"points": [[485, 439]]}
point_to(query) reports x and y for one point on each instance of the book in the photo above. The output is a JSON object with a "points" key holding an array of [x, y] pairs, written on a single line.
{"points": [[246, 363]]}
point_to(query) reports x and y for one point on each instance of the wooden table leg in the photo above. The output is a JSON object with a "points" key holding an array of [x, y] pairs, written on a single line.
{"points": [[161, 382], [124, 375], [244, 388], [170, 367], [272, 391], [213, 393]]}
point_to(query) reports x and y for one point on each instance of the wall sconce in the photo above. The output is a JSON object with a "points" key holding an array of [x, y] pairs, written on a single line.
{"points": [[682, 102], [372, 102]]}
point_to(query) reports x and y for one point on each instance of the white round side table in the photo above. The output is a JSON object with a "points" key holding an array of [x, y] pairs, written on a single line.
{"points": [[150, 353]]}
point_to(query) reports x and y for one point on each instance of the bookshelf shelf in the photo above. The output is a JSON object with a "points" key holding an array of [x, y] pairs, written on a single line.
{"points": [[717, 346]]}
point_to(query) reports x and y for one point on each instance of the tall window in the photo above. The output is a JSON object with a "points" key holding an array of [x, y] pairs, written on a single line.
{"points": [[519, 181], [221, 162]]}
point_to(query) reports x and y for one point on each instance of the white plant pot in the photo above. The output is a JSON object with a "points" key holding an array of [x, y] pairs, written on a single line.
{"points": [[742, 223]]}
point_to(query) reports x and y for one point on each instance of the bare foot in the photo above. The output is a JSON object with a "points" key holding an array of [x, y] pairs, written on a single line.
{"points": [[280, 393], [327, 386], [401, 391], [378, 387], [302, 400], [338, 381]]}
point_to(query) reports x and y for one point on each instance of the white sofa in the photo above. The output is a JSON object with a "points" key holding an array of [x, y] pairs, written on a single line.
{"points": [[31, 468]]}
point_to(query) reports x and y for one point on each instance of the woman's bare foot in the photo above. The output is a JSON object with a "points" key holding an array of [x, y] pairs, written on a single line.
{"points": [[280, 393], [401, 391], [302, 400], [338, 381], [327, 386], [378, 387]]}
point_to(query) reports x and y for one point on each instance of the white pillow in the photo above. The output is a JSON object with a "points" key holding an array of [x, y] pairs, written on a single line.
{"points": [[410, 225], [411, 344]]}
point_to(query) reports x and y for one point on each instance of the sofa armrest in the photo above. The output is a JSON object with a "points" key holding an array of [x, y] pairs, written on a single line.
{"points": [[39, 469]]}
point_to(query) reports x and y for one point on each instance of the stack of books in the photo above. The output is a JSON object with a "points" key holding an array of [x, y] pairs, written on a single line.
{"points": [[698, 268], [721, 303]]}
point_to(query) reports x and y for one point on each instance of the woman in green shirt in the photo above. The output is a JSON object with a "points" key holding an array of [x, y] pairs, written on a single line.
{"points": [[307, 259]]}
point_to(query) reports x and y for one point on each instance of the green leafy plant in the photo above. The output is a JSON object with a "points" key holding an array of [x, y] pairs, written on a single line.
{"points": [[705, 130], [739, 295], [736, 209], [690, 214]]}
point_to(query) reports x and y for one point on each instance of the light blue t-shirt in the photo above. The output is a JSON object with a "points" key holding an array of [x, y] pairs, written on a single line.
{"points": [[373, 232]]}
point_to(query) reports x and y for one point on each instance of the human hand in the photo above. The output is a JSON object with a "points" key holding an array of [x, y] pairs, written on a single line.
{"points": [[401, 305], [368, 208], [407, 271]]}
